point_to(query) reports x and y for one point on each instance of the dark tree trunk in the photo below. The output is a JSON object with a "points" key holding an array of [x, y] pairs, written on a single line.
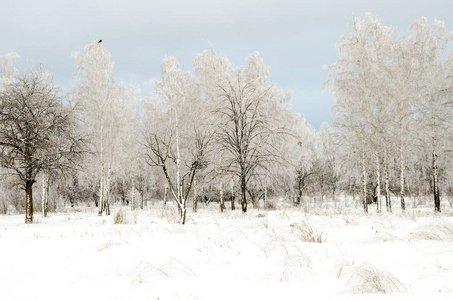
{"points": [[243, 196], [244, 202], [243, 191], [321, 196], [222, 199], [388, 200], [334, 189], [232, 198], [364, 178], [141, 198], [183, 216], [403, 203], [436, 184], [29, 202], [436, 199], [222, 203], [300, 185], [165, 196]]}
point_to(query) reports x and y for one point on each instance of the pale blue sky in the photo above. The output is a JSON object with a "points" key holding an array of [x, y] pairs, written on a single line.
{"points": [[295, 38]]}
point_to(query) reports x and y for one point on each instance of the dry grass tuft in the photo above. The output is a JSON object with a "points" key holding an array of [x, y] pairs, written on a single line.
{"points": [[366, 278], [170, 212], [145, 272], [307, 233], [37, 235], [121, 217], [348, 221], [296, 267], [441, 231], [106, 245], [3, 207]]}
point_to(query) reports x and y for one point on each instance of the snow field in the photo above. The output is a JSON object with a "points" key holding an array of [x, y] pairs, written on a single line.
{"points": [[78, 255]]}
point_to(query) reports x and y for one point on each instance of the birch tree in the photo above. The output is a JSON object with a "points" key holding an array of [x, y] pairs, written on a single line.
{"points": [[174, 135], [403, 89], [435, 85], [93, 93], [106, 109], [358, 82], [299, 147]]}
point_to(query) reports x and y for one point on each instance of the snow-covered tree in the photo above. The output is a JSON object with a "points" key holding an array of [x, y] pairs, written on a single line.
{"points": [[7, 69], [175, 133], [359, 82], [385, 89], [106, 110], [296, 175], [434, 62], [246, 106], [36, 131]]}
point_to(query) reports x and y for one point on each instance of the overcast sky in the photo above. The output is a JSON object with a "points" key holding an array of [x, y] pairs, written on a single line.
{"points": [[295, 37]]}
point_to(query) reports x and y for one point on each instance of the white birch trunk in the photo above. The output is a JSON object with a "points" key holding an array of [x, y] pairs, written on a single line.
{"points": [[378, 182], [435, 173], [101, 194], [195, 203], [180, 200], [101, 184], [178, 161], [43, 200], [403, 204], [401, 107], [222, 201], [45, 193], [265, 206], [387, 188], [364, 184], [436, 183], [107, 192], [435, 168], [132, 195]]}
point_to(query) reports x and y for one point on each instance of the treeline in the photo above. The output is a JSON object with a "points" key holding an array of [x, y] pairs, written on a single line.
{"points": [[224, 133], [393, 108]]}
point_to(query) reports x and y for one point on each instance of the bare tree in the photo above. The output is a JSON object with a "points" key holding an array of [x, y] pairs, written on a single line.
{"points": [[246, 110], [36, 131]]}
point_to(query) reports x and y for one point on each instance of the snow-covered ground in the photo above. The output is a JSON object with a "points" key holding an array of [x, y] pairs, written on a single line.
{"points": [[78, 255]]}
